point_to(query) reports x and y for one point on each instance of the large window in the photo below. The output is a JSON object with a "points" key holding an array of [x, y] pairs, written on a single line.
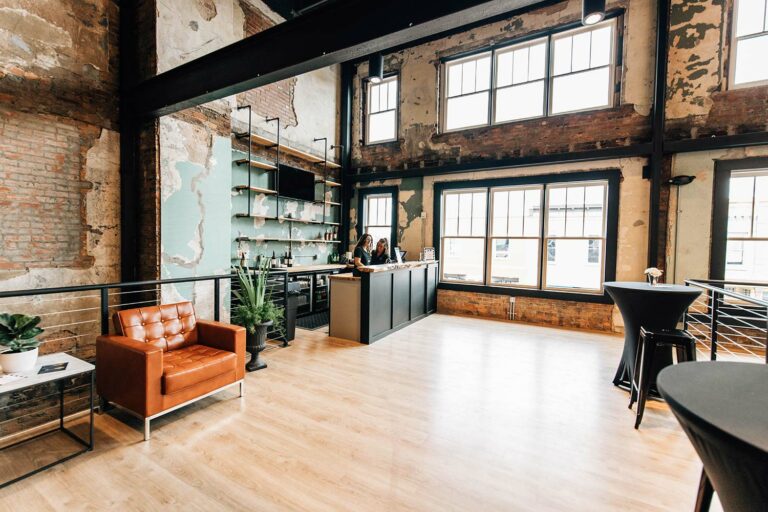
{"points": [[566, 71], [378, 217], [381, 119], [548, 236], [749, 47], [747, 238]]}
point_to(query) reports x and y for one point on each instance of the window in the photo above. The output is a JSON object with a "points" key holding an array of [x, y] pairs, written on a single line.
{"points": [[582, 69], [468, 84], [377, 217], [382, 111], [463, 240], [567, 71], [749, 66], [547, 236], [747, 235]]}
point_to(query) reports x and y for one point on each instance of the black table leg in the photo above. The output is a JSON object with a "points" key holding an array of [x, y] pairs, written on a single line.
{"points": [[90, 428], [704, 495]]}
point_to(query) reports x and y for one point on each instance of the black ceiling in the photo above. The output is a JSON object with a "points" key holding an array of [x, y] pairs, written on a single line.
{"points": [[289, 9]]}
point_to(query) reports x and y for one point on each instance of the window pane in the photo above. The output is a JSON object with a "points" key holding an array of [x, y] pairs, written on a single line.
{"points": [[465, 214], [740, 206], [746, 261], [602, 41], [516, 206], [760, 222], [382, 126], [572, 266], [393, 94], [388, 211], [451, 224], [556, 212], [463, 259], [537, 59], [581, 51], [500, 204], [373, 210], [520, 102], [532, 212], [468, 77], [454, 79], [467, 111], [751, 61], [380, 232], [562, 58], [594, 203], [515, 261], [478, 214], [574, 221], [751, 17], [588, 89], [374, 104], [504, 69], [483, 71], [520, 66]]}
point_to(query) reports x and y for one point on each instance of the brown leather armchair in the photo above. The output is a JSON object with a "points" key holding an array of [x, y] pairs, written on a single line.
{"points": [[164, 358]]}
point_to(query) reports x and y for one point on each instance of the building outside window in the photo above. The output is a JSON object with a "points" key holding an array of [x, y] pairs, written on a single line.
{"points": [[382, 112], [749, 46], [566, 71], [543, 236]]}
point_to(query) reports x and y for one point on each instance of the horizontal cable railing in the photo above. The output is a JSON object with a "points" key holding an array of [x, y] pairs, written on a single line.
{"points": [[728, 320]]}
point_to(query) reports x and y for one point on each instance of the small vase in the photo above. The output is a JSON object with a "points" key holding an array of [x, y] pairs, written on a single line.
{"points": [[652, 280], [255, 343], [16, 362]]}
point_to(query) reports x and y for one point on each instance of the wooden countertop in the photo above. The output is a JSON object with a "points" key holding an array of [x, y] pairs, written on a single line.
{"points": [[396, 266], [315, 268], [345, 277]]}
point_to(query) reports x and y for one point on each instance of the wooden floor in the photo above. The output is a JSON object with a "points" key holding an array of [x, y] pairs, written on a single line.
{"points": [[447, 414]]}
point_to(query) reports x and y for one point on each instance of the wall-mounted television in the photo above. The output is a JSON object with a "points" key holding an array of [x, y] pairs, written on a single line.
{"points": [[296, 183]]}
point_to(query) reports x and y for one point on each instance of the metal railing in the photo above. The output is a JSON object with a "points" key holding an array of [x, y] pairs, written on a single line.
{"points": [[727, 322]]}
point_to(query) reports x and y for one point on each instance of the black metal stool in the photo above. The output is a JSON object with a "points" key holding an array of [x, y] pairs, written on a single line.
{"points": [[685, 346]]}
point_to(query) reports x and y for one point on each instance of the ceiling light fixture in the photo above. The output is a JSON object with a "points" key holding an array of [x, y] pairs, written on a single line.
{"points": [[376, 68], [592, 11]]}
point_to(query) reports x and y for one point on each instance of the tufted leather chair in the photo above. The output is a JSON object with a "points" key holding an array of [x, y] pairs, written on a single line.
{"points": [[163, 357]]}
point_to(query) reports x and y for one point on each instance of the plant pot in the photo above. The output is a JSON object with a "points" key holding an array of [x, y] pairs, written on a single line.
{"points": [[15, 362], [255, 343]]}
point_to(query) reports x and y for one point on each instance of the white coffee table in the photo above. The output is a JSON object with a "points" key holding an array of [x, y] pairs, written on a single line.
{"points": [[74, 368]]}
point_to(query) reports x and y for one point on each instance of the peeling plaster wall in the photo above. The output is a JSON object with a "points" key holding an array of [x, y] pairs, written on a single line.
{"points": [[421, 145], [59, 177], [699, 103]]}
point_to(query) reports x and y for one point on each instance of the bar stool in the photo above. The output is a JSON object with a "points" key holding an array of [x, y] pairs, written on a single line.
{"points": [[685, 346]]}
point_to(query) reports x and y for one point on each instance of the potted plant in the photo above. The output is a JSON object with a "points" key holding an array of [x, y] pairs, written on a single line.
{"points": [[255, 311], [18, 342]]}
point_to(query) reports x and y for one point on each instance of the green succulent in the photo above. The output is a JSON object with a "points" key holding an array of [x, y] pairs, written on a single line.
{"points": [[18, 333]]}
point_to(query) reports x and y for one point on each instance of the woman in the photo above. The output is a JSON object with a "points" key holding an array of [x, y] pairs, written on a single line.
{"points": [[381, 255], [362, 252]]}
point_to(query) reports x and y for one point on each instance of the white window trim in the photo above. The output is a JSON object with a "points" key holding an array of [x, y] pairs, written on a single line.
{"points": [[732, 85], [443, 237], [367, 110], [366, 209], [443, 103]]}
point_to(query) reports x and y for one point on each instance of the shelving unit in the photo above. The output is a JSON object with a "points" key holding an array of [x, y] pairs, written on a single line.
{"points": [[256, 165]]}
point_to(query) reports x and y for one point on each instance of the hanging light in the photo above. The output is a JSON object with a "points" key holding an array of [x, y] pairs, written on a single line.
{"points": [[376, 68], [592, 11]]}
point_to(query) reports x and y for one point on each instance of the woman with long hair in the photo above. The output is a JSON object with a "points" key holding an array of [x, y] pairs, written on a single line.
{"points": [[380, 256], [362, 254]]}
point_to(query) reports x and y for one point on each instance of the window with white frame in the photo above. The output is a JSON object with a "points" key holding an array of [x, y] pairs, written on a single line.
{"points": [[381, 122], [575, 236], [566, 71], [749, 47], [377, 217], [467, 91], [549, 236], [747, 239], [582, 69], [463, 235]]}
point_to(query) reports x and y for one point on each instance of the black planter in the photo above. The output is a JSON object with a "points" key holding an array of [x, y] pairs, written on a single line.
{"points": [[255, 343]]}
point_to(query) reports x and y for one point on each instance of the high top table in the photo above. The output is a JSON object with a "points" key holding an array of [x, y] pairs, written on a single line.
{"points": [[653, 307], [723, 409]]}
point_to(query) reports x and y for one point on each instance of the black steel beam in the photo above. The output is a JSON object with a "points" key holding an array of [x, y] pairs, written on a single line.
{"points": [[719, 142], [338, 32], [637, 150], [657, 127], [345, 140]]}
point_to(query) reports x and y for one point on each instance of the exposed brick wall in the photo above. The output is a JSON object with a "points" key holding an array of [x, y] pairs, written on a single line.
{"points": [[560, 313]]}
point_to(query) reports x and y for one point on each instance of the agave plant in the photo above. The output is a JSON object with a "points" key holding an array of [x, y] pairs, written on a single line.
{"points": [[254, 305], [18, 333]]}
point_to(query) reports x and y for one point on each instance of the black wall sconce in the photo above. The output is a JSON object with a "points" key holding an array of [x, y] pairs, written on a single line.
{"points": [[592, 11]]}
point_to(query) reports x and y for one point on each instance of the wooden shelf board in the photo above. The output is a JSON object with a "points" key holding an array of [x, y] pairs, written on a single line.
{"points": [[295, 240], [266, 166], [256, 189], [328, 183], [288, 150]]}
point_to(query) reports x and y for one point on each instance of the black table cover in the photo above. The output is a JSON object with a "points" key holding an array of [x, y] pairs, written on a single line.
{"points": [[723, 408], [653, 307]]}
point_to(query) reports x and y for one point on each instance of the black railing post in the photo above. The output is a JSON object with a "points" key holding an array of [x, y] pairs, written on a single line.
{"points": [[216, 298], [713, 325], [104, 311]]}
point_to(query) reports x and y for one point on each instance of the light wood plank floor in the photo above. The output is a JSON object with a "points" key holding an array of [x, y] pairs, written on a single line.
{"points": [[448, 414]]}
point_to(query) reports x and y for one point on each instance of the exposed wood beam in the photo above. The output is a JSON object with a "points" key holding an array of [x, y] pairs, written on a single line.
{"points": [[339, 32]]}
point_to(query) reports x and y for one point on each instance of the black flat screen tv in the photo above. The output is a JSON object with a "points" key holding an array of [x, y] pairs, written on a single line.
{"points": [[296, 184]]}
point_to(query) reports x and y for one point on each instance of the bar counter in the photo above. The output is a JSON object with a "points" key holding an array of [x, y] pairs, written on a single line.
{"points": [[383, 299]]}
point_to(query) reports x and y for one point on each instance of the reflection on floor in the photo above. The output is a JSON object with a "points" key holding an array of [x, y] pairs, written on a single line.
{"points": [[447, 414]]}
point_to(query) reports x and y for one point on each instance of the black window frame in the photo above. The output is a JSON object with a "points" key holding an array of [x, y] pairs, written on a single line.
{"points": [[611, 176], [616, 80], [363, 194]]}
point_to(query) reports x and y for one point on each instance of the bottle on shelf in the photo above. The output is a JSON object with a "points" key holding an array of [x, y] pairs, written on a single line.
{"points": [[290, 259], [273, 261]]}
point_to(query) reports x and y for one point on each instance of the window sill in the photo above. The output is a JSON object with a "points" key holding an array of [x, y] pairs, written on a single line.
{"points": [[602, 298]]}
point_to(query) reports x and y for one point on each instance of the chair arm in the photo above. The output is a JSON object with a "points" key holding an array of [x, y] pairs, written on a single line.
{"points": [[223, 337], [129, 372]]}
